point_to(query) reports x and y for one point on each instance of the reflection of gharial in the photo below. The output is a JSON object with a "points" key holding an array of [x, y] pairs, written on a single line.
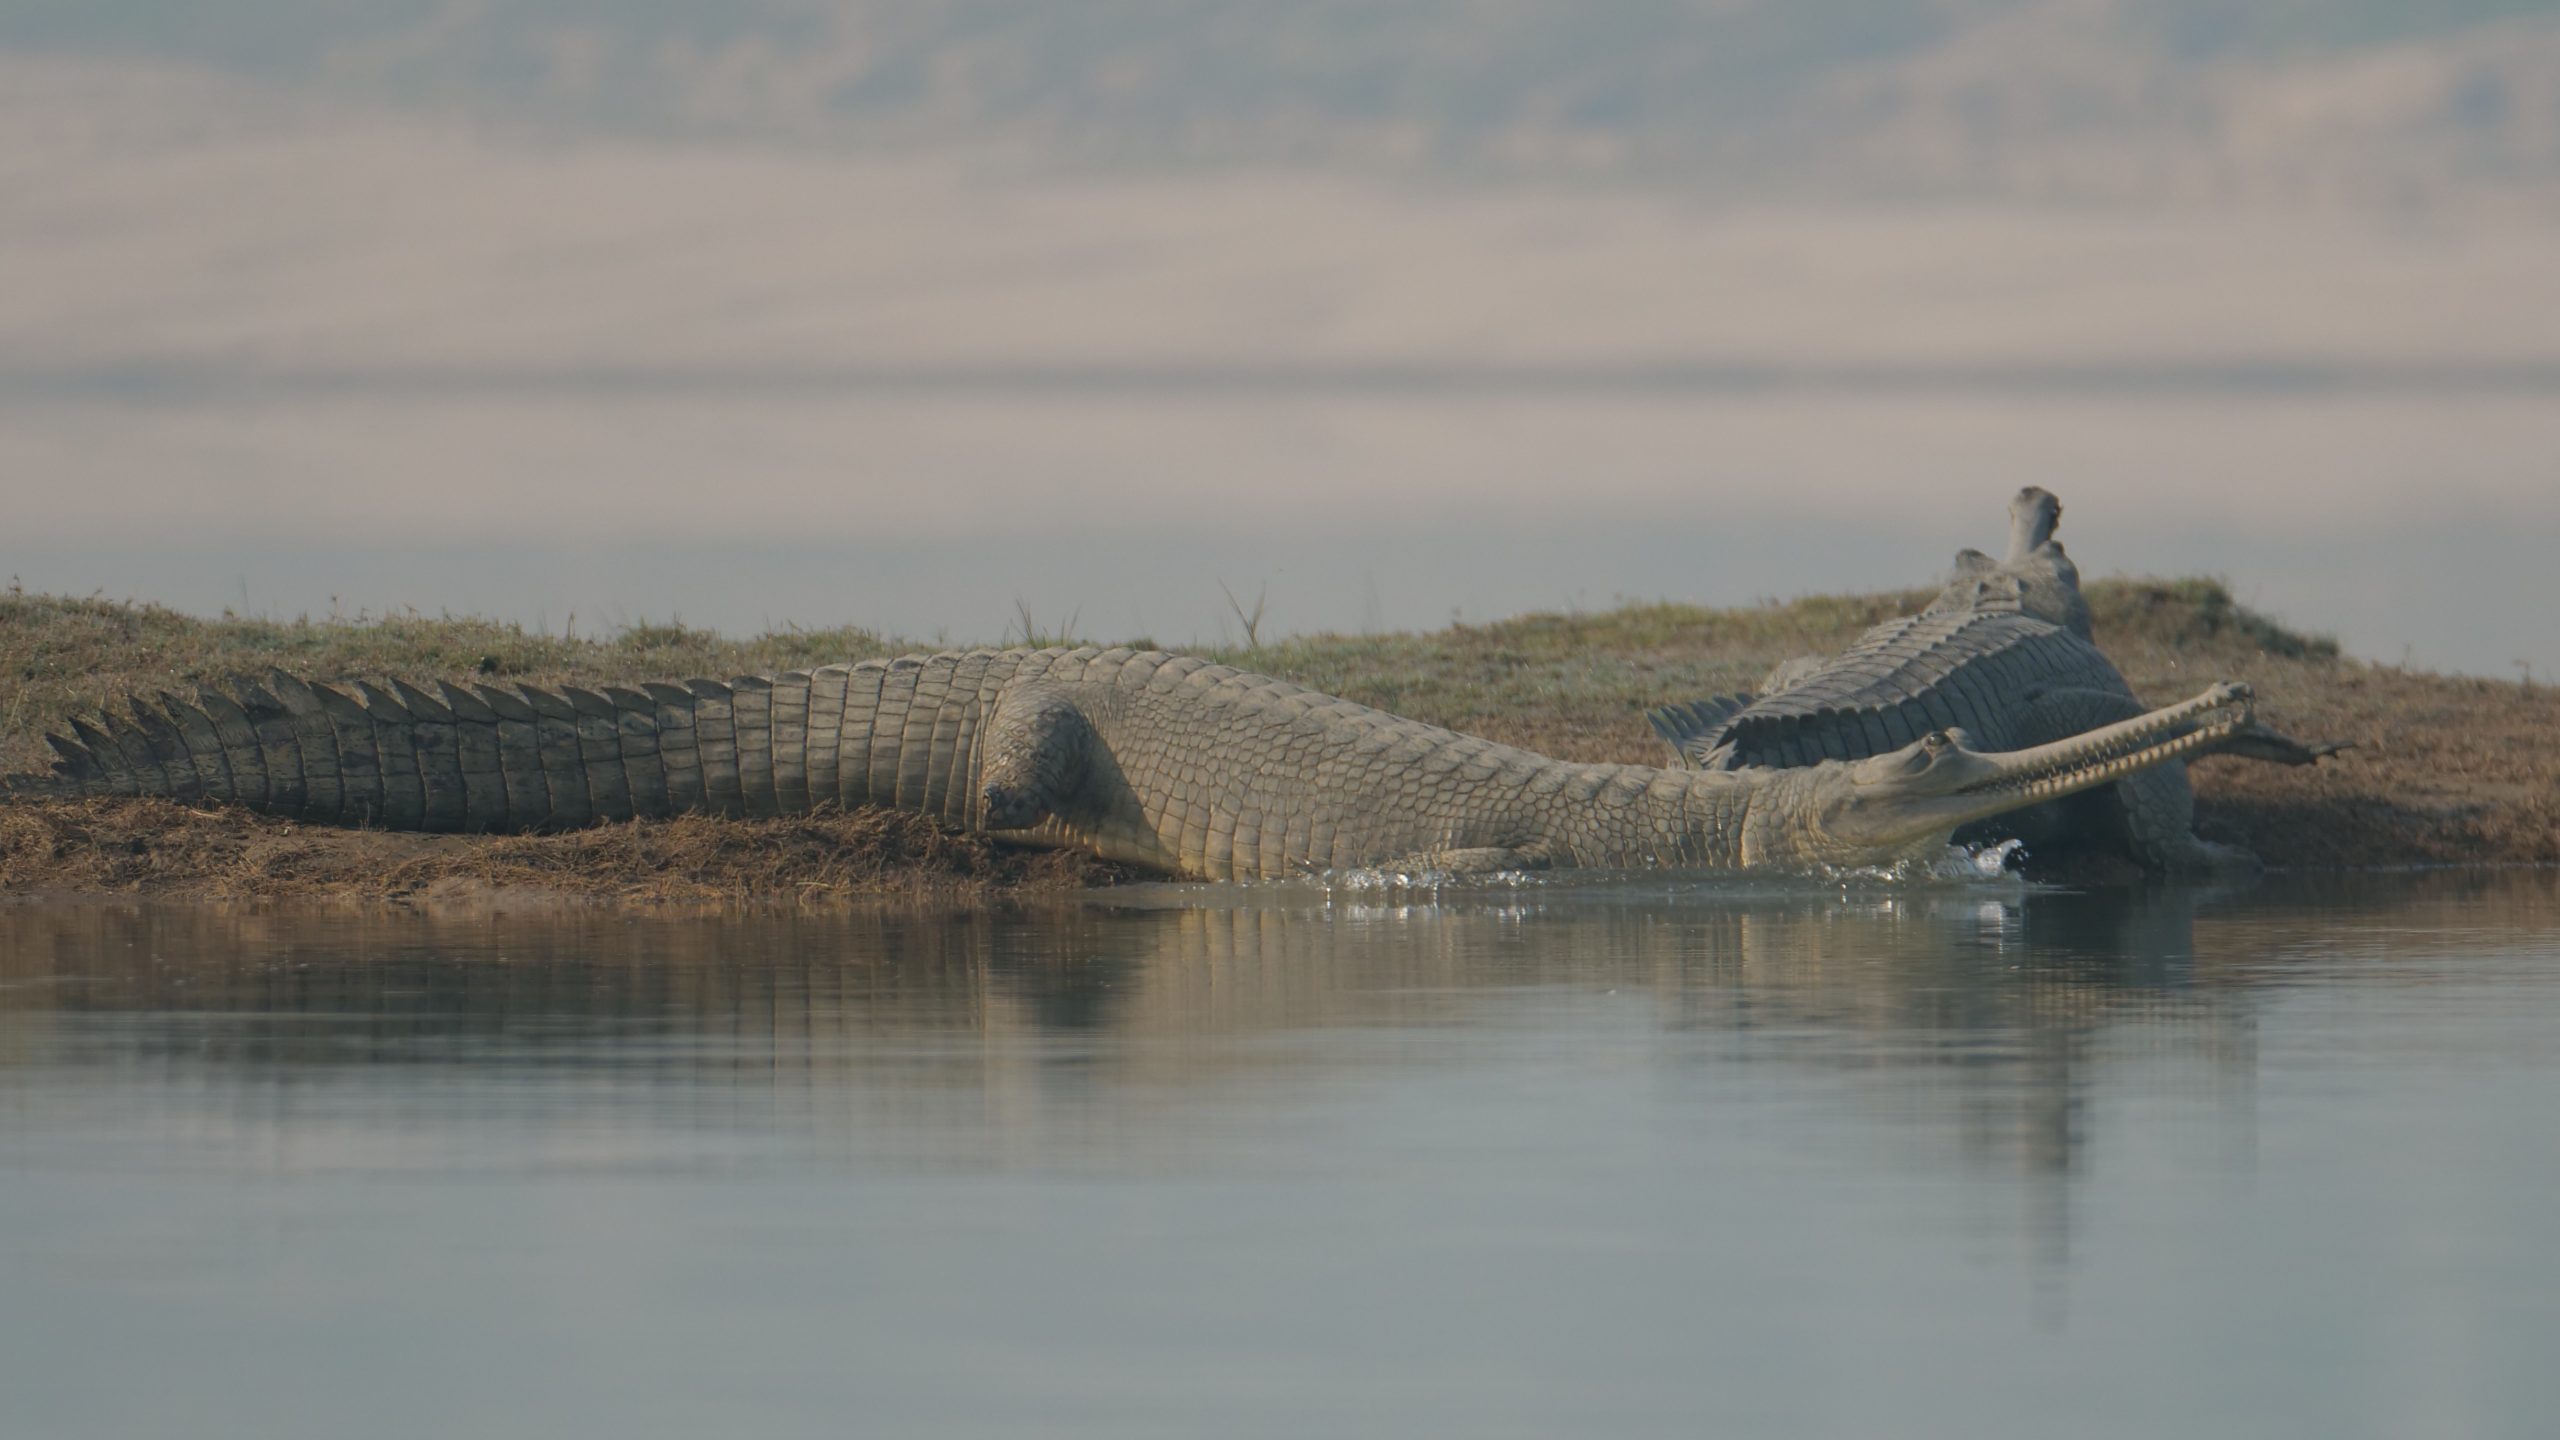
{"points": [[1159, 761], [2002, 654]]}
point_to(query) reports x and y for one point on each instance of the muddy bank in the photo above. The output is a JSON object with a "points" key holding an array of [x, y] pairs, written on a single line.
{"points": [[2444, 770], [159, 847]]}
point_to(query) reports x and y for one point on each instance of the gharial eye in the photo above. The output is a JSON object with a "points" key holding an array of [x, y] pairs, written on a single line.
{"points": [[1936, 742]]}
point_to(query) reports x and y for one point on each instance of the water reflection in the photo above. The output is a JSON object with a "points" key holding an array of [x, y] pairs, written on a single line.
{"points": [[1977, 1018], [1559, 1159]]}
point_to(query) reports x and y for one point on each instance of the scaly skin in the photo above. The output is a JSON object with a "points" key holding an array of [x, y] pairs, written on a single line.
{"points": [[1164, 762], [2003, 655]]}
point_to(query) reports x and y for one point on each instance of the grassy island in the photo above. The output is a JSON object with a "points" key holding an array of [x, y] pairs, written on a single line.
{"points": [[2444, 770]]}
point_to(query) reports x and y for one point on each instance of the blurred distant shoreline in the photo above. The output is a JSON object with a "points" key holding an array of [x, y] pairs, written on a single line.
{"points": [[203, 383]]}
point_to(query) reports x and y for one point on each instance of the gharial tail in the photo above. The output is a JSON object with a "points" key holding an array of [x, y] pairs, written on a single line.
{"points": [[38, 787], [460, 758], [500, 758]]}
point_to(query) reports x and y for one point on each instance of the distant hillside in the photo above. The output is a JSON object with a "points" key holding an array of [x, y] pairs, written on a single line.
{"points": [[2157, 99]]}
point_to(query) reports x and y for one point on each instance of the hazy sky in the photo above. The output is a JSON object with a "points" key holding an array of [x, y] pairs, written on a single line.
{"points": [[900, 314]]}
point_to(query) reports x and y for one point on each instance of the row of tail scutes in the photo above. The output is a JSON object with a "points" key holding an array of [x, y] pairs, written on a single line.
{"points": [[1684, 725], [35, 787]]}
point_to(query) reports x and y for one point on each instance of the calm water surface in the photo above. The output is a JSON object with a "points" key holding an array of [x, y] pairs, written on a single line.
{"points": [[1638, 1158]]}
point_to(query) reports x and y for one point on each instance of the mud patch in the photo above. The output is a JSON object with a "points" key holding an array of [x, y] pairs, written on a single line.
{"points": [[158, 847]]}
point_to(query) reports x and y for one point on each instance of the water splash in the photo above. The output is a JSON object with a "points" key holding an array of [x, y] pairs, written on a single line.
{"points": [[1373, 879], [1957, 864]]}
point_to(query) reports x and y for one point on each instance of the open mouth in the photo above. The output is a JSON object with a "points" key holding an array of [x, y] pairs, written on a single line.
{"points": [[2115, 751]]}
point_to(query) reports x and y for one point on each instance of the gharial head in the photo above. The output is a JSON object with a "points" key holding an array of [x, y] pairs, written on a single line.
{"points": [[2034, 512], [1906, 803]]}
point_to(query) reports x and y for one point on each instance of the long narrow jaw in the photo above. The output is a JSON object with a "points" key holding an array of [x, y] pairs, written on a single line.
{"points": [[1913, 798]]}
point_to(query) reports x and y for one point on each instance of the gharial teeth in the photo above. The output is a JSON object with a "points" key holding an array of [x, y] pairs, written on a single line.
{"points": [[2124, 763]]}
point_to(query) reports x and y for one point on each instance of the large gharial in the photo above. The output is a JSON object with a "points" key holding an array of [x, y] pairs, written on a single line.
{"points": [[1164, 762], [2002, 655]]}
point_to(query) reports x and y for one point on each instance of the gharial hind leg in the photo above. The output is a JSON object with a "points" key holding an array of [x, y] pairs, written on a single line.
{"points": [[2158, 811], [1036, 745]]}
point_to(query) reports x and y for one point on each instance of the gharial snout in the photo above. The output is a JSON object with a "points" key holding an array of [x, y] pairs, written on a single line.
{"points": [[1922, 793], [2109, 753]]}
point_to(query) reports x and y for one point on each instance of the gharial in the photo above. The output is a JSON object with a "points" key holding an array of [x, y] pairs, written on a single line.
{"points": [[2002, 655], [1164, 762]]}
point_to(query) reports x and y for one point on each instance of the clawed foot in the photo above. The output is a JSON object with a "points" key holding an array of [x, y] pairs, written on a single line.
{"points": [[1012, 809]]}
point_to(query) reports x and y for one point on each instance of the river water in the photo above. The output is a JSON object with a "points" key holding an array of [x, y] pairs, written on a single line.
{"points": [[1633, 1157]]}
